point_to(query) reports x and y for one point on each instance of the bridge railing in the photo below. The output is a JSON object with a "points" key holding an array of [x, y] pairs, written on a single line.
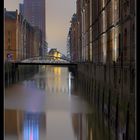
{"points": [[46, 58]]}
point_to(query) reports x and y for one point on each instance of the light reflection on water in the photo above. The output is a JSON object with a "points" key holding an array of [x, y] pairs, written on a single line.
{"points": [[42, 126], [48, 107], [41, 107]]}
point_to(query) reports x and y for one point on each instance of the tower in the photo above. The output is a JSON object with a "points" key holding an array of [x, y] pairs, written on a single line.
{"points": [[34, 12]]}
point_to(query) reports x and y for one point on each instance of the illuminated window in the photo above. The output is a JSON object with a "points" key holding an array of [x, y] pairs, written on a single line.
{"points": [[104, 48], [104, 20]]}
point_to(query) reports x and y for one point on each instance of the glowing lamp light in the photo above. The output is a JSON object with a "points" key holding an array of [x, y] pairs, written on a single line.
{"points": [[59, 55], [55, 54]]}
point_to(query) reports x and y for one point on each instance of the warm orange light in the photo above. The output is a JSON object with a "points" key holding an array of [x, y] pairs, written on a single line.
{"points": [[91, 136], [55, 54], [59, 55]]}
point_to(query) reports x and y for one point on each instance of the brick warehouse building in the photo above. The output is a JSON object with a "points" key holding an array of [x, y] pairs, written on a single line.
{"points": [[22, 41], [30, 39], [107, 55], [11, 35]]}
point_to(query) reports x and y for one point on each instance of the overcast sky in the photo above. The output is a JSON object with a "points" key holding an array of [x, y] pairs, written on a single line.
{"points": [[58, 16]]}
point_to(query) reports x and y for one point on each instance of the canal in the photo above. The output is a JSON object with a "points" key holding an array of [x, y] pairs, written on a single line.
{"points": [[48, 106]]}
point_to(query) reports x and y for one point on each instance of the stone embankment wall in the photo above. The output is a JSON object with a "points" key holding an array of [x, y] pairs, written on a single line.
{"points": [[111, 90], [15, 73]]}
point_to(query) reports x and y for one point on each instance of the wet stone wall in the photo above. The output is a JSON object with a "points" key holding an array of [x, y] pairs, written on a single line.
{"points": [[108, 91], [15, 73]]}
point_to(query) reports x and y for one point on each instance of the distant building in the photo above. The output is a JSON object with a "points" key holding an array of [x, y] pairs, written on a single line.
{"points": [[37, 41], [30, 39], [54, 53], [44, 49], [34, 12], [74, 38], [21, 9], [69, 44], [11, 35]]}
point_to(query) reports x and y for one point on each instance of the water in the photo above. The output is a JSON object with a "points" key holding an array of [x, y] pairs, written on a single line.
{"points": [[46, 107]]}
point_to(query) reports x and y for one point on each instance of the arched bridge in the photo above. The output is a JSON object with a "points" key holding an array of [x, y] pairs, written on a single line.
{"points": [[48, 60]]}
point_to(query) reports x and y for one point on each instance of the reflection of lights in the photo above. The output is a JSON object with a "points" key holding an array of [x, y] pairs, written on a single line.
{"points": [[91, 136], [69, 84], [57, 78], [57, 71], [31, 127]]}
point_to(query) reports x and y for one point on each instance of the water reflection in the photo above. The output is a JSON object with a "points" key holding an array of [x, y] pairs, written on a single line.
{"points": [[31, 126], [47, 106], [60, 125], [51, 79], [22, 125]]}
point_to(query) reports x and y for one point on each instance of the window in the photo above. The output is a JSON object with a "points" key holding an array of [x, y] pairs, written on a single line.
{"points": [[119, 9], [125, 37], [9, 39], [125, 42], [119, 44], [104, 20], [104, 47]]}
